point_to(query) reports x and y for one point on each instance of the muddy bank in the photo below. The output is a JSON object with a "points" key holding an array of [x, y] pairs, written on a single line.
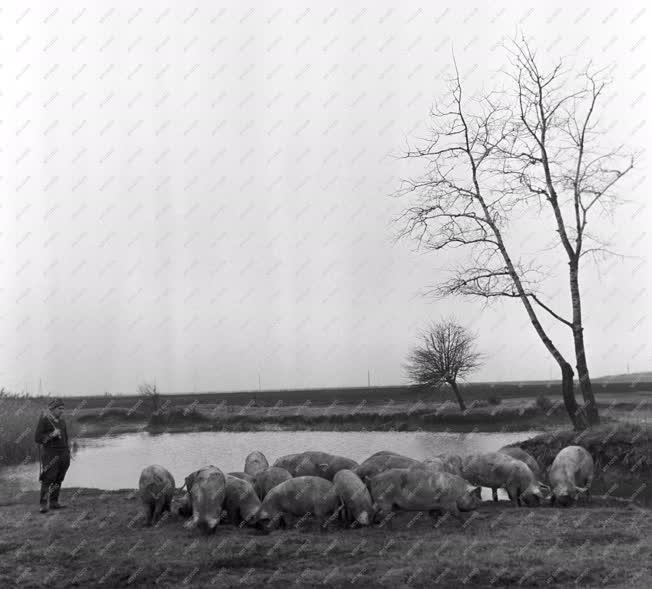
{"points": [[484, 418], [622, 456]]}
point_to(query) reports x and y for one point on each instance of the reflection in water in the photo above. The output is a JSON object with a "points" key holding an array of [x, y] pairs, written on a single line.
{"points": [[116, 462]]}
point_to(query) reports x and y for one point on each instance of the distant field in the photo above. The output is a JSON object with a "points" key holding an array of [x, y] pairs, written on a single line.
{"points": [[362, 395]]}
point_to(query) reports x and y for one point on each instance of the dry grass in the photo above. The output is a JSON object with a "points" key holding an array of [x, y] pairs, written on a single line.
{"points": [[18, 418], [100, 541]]}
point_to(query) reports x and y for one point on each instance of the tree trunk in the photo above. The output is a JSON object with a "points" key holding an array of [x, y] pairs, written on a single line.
{"points": [[453, 385], [590, 406], [568, 394], [574, 412]]}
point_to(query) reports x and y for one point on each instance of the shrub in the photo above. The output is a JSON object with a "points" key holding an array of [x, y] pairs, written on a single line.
{"points": [[494, 400], [544, 403], [177, 415], [120, 413]]}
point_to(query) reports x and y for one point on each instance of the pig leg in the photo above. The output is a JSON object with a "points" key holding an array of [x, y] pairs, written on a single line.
{"points": [[451, 507], [381, 510], [342, 514], [513, 495], [229, 518], [494, 493], [589, 482], [185, 507], [324, 523], [158, 509], [192, 523], [284, 521], [384, 516], [345, 515], [149, 512], [584, 492]]}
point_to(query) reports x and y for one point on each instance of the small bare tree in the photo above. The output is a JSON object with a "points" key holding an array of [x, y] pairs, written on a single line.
{"points": [[445, 353], [150, 395]]}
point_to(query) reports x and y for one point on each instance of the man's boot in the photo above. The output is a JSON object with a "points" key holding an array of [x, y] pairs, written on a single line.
{"points": [[43, 500], [54, 497]]}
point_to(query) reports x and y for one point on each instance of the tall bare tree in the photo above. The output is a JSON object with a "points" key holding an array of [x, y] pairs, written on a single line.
{"points": [[489, 160], [445, 353]]}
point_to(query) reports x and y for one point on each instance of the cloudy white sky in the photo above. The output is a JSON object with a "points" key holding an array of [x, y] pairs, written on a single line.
{"points": [[198, 193]]}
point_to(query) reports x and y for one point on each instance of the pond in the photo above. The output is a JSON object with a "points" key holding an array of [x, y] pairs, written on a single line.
{"points": [[116, 462]]}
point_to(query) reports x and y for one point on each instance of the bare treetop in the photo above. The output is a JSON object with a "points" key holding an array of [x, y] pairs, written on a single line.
{"points": [[445, 353]]}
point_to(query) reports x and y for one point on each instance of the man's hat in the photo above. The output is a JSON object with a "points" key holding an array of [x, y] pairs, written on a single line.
{"points": [[55, 403]]}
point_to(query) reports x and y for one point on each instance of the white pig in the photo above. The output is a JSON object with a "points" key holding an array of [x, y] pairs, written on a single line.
{"points": [[498, 470], [571, 473], [207, 490]]}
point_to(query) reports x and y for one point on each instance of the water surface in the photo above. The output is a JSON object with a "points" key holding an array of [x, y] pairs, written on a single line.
{"points": [[116, 462]]}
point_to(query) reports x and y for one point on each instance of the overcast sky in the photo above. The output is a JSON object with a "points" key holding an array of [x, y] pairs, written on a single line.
{"points": [[197, 193]]}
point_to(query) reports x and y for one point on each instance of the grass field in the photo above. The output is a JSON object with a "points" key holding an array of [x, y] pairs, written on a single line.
{"points": [[99, 541], [357, 395]]}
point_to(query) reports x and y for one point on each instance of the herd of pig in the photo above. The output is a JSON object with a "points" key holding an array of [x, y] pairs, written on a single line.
{"points": [[327, 487]]}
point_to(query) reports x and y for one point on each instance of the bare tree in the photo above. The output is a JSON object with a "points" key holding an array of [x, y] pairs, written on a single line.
{"points": [[445, 353], [150, 395], [489, 161]]}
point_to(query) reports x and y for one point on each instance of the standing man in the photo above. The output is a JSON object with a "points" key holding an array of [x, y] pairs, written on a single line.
{"points": [[52, 436]]}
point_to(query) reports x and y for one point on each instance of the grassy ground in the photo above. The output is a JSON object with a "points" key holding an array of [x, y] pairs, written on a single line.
{"points": [[99, 541]]}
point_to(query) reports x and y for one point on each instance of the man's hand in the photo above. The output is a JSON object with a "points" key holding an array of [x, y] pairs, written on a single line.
{"points": [[55, 433]]}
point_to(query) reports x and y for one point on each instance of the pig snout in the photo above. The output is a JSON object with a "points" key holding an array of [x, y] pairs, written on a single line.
{"points": [[564, 500], [531, 500], [263, 526], [363, 518], [207, 526]]}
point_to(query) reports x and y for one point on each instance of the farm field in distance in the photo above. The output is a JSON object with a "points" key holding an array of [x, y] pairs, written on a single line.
{"points": [[490, 406], [375, 395]]}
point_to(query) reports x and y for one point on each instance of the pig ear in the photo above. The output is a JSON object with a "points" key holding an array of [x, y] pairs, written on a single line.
{"points": [[478, 492]]}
